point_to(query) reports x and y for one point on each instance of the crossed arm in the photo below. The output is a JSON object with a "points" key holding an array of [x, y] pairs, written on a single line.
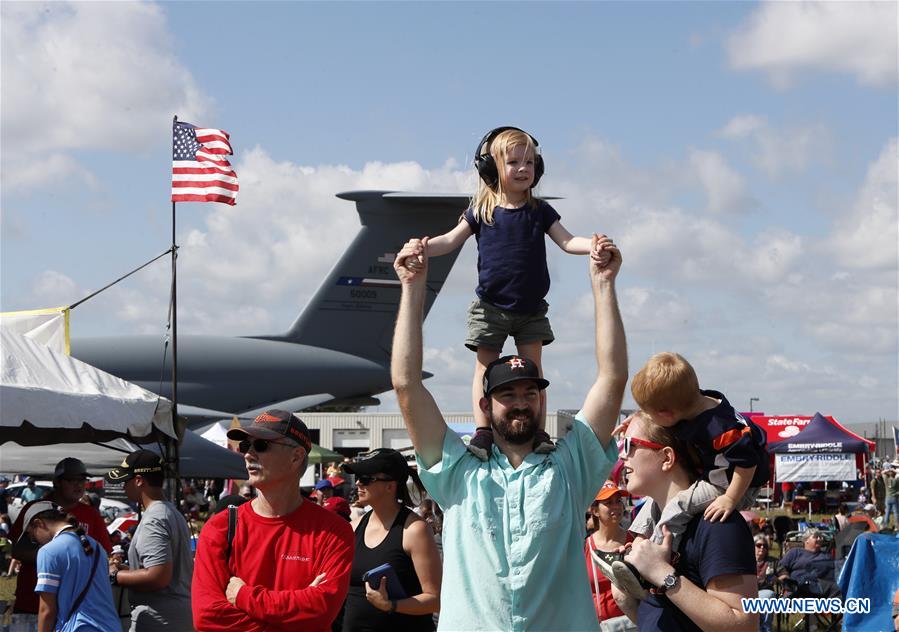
{"points": [[222, 604]]}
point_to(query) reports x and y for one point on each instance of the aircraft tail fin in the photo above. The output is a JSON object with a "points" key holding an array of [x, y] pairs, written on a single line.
{"points": [[354, 309]]}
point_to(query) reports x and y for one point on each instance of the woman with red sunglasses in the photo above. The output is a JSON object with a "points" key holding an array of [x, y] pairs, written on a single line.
{"points": [[700, 587]]}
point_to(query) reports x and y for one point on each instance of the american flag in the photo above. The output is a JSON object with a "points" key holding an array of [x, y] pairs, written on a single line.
{"points": [[200, 171]]}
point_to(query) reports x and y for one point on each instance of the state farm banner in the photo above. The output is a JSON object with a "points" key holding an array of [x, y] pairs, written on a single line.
{"points": [[806, 468]]}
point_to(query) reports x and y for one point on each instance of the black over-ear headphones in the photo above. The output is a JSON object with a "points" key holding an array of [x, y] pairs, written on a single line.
{"points": [[486, 165]]}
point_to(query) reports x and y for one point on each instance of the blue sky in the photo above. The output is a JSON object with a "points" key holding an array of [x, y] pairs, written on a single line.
{"points": [[743, 155]]}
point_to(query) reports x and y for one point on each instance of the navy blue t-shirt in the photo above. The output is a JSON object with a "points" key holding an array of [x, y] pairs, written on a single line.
{"points": [[708, 550], [512, 272], [723, 432]]}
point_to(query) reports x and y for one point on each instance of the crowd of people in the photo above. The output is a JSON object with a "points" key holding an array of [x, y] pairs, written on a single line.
{"points": [[512, 531]]}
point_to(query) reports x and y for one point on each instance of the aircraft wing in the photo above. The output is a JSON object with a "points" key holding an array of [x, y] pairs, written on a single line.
{"points": [[297, 403], [195, 414]]}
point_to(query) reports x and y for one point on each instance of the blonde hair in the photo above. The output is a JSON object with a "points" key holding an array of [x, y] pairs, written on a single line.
{"points": [[666, 382], [487, 198]]}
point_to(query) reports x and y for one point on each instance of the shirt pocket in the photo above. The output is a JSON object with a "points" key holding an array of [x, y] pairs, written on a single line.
{"points": [[547, 501]]}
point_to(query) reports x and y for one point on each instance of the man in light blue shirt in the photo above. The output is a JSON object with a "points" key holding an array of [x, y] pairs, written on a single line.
{"points": [[513, 531]]}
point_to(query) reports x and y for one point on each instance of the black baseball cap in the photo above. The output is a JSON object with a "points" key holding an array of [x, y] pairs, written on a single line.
{"points": [[511, 368], [70, 467], [274, 424], [140, 462], [384, 460]]}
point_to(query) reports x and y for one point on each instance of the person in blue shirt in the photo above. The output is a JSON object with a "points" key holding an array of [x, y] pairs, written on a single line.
{"points": [[74, 590], [513, 530], [510, 224]]}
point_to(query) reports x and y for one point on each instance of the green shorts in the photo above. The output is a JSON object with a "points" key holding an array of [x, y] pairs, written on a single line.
{"points": [[489, 326]]}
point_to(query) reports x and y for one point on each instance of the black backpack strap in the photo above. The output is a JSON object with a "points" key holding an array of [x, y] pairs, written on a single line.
{"points": [[232, 529], [90, 580]]}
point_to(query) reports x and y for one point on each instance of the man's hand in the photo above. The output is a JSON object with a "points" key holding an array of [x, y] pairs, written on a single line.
{"points": [[233, 588], [720, 508], [608, 271], [318, 580], [411, 263], [378, 598], [597, 253], [651, 559]]}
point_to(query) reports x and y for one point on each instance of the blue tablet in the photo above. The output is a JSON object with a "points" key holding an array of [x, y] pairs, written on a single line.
{"points": [[394, 587]]}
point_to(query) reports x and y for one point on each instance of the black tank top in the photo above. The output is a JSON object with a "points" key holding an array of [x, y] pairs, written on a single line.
{"points": [[361, 616]]}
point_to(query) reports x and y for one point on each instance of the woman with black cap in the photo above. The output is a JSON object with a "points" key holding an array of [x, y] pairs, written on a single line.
{"points": [[391, 533]]}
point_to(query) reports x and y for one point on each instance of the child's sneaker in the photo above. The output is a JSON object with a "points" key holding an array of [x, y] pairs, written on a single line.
{"points": [[543, 444], [481, 443], [604, 561], [628, 579]]}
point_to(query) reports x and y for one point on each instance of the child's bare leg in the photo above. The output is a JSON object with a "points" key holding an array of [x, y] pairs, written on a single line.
{"points": [[482, 440], [534, 351], [485, 356]]}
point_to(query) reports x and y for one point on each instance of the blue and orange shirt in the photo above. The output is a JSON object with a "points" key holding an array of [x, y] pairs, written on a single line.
{"points": [[724, 440]]}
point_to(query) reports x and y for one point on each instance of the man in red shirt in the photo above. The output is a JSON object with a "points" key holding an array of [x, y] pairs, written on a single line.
{"points": [[68, 488], [288, 563]]}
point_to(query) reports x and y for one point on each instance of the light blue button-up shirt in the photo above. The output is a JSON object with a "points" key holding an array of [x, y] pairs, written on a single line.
{"points": [[513, 539]]}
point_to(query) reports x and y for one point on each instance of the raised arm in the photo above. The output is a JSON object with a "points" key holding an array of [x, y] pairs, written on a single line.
{"points": [[449, 241], [423, 419], [603, 402]]}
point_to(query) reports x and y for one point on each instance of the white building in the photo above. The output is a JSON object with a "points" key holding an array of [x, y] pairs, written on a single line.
{"points": [[351, 433]]}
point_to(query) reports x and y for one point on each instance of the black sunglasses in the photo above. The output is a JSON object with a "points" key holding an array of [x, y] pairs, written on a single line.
{"points": [[258, 445], [368, 479]]}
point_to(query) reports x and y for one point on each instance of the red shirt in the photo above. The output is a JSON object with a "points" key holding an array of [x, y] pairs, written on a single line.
{"points": [[604, 602], [89, 519], [278, 558]]}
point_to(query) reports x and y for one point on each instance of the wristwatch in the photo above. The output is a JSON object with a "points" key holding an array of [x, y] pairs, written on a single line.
{"points": [[667, 584], [114, 578]]}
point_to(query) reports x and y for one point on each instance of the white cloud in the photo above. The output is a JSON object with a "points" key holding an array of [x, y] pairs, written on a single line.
{"points": [[21, 172], [55, 289], [779, 152], [724, 188], [787, 38], [865, 238], [89, 75]]}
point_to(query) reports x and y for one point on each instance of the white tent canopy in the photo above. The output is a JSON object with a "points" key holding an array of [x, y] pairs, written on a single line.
{"points": [[49, 397], [217, 433]]}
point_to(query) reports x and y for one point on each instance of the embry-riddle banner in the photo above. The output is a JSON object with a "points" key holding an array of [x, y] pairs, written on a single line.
{"points": [[805, 468]]}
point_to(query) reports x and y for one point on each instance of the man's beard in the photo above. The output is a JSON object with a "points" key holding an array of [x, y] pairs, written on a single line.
{"points": [[516, 432]]}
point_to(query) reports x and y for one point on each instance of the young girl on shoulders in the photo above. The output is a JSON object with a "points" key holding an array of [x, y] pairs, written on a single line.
{"points": [[509, 223]]}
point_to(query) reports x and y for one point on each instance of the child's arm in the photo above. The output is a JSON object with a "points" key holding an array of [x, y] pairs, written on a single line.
{"points": [[449, 241], [568, 242], [722, 506]]}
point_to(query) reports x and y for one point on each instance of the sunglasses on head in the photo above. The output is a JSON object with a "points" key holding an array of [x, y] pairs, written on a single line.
{"points": [[258, 445], [368, 479], [625, 445]]}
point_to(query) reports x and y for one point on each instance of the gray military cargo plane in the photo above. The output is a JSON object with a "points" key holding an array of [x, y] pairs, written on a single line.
{"points": [[336, 352]]}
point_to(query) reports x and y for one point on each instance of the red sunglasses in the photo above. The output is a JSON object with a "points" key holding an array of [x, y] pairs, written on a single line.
{"points": [[624, 446]]}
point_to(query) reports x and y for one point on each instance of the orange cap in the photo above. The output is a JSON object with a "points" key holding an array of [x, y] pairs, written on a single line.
{"points": [[608, 490]]}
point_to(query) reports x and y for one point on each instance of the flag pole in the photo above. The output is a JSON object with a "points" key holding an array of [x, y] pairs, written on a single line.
{"points": [[173, 452]]}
